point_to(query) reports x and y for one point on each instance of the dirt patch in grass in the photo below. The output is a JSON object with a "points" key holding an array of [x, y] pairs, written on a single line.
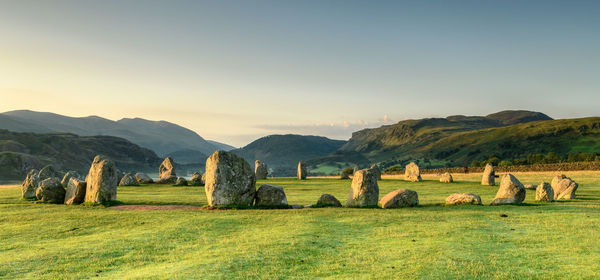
{"points": [[141, 207]]}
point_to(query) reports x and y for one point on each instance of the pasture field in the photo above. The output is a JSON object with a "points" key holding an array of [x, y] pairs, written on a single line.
{"points": [[535, 240]]}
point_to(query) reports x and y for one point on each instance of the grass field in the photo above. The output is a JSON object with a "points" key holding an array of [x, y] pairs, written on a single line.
{"points": [[535, 240]]}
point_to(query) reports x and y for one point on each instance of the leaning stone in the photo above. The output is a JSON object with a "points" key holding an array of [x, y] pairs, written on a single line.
{"points": [[197, 179], [128, 180], [446, 178], [400, 198], [302, 171], [511, 191], [412, 173], [364, 191], [75, 191], [489, 176], [270, 195], [65, 180], [30, 185], [166, 172], [181, 182], [50, 190], [229, 180], [544, 192], [260, 170], [101, 181], [142, 178], [565, 189], [328, 200], [463, 198]]}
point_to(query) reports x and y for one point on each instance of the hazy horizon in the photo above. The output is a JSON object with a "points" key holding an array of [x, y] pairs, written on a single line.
{"points": [[234, 71]]}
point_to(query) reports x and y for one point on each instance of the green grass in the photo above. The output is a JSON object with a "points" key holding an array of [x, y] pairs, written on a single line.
{"points": [[536, 240]]}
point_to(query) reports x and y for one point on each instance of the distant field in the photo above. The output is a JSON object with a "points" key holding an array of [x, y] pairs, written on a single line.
{"points": [[536, 240]]}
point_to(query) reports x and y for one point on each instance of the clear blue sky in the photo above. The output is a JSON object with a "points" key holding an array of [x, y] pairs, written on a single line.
{"points": [[237, 70]]}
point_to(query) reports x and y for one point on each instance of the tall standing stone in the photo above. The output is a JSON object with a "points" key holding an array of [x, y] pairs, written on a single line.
{"points": [[302, 171], [30, 185], [166, 172], [489, 175], [376, 170], [544, 192], [260, 170], [229, 180], [102, 180], [511, 191], [412, 173], [364, 191]]}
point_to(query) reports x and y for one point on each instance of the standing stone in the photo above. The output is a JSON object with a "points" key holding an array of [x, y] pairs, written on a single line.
{"points": [[65, 180], [356, 168], [489, 175], [75, 191], [101, 181], [50, 190], [446, 178], [565, 189], [47, 172], [260, 170], [197, 179], [142, 178], [557, 179], [377, 171], [511, 191], [30, 185], [181, 182], [463, 198], [269, 195], [400, 198], [412, 173], [364, 191], [302, 172], [166, 172], [344, 175], [229, 180], [544, 192], [328, 200], [128, 180]]}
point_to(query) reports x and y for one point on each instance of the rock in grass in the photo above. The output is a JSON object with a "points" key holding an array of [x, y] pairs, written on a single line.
{"points": [[376, 170], [30, 185], [229, 180], [412, 173], [400, 198], [302, 171], [489, 175], [565, 189], [270, 195], [47, 172], [128, 180], [197, 179], [101, 181], [328, 200], [544, 192], [50, 190], [166, 172], [364, 191], [530, 187], [260, 170], [511, 191], [463, 198], [75, 191], [181, 182], [446, 178], [344, 175], [557, 179], [65, 180], [142, 178]]}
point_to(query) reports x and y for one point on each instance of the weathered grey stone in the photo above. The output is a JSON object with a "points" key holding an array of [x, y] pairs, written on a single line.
{"points": [[260, 170], [181, 182], [142, 178], [400, 198], [47, 172], [50, 190], [364, 191], [229, 180], [328, 200], [412, 173], [463, 198], [446, 178], [270, 195], [376, 170], [30, 185], [128, 180], [344, 175], [166, 172], [75, 191], [544, 192], [530, 187], [565, 189], [101, 181], [489, 175], [302, 171], [71, 174], [510, 191], [197, 179]]}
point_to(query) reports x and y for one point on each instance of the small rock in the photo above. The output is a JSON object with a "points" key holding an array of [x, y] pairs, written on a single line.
{"points": [[511, 191], [129, 180], [142, 178], [463, 198], [270, 195], [446, 178], [181, 182], [328, 200], [400, 198], [197, 179]]}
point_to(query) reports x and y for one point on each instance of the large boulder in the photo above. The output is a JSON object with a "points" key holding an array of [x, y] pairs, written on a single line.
{"points": [[181, 182], [102, 180], [344, 175], [260, 170], [166, 172], [50, 190], [565, 189], [376, 170], [489, 175], [229, 180], [364, 191], [30, 185], [463, 198], [71, 174], [557, 179], [129, 180], [511, 191], [446, 178], [47, 172], [328, 200], [544, 192], [400, 198], [142, 178], [412, 173], [269, 195], [302, 171], [75, 191], [197, 179]]}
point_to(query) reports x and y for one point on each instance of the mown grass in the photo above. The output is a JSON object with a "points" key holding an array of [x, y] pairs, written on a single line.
{"points": [[536, 240]]}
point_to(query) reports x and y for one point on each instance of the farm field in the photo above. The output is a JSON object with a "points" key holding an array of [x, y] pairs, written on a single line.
{"points": [[533, 240]]}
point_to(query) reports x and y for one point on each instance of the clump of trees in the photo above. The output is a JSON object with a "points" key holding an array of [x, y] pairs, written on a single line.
{"points": [[531, 159]]}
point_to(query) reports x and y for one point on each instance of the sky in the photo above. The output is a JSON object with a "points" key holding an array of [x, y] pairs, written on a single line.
{"points": [[234, 71]]}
